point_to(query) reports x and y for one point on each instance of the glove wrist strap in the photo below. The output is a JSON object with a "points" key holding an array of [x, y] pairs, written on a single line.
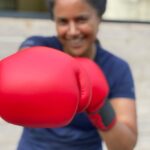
{"points": [[105, 118]]}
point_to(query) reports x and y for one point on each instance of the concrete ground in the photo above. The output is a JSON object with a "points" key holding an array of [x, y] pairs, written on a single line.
{"points": [[129, 41]]}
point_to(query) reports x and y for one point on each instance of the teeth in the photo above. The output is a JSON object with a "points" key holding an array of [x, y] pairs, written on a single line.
{"points": [[75, 41]]}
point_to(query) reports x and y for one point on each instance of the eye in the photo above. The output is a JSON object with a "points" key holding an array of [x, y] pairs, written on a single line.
{"points": [[62, 21], [82, 19]]}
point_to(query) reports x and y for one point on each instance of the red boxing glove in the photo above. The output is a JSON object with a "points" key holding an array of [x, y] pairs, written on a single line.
{"points": [[99, 110], [42, 87]]}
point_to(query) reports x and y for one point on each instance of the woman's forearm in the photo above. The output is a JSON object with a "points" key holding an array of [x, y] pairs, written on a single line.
{"points": [[120, 137]]}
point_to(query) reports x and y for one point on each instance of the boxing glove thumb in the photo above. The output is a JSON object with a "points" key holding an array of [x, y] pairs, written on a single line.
{"points": [[99, 110]]}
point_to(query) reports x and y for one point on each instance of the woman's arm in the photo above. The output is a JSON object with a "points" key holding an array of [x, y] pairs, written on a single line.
{"points": [[123, 136]]}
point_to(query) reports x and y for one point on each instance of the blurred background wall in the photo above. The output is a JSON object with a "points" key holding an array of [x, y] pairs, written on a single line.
{"points": [[117, 9], [22, 5], [128, 10]]}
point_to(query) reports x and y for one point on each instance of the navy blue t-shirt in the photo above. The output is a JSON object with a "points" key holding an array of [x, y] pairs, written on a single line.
{"points": [[80, 134]]}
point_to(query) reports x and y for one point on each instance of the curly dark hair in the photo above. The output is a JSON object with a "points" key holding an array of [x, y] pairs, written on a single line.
{"points": [[98, 5]]}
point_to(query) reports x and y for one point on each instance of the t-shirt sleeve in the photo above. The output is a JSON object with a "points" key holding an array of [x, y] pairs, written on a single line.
{"points": [[123, 85], [33, 41]]}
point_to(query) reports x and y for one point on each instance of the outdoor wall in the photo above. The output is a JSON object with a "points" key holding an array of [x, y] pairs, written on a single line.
{"points": [[116, 9], [23, 5], [31, 5], [128, 10], [8, 4]]}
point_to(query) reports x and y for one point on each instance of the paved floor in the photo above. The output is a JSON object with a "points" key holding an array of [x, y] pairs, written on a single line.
{"points": [[129, 41]]}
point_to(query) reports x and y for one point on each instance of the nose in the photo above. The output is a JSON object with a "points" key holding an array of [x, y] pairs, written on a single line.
{"points": [[73, 29]]}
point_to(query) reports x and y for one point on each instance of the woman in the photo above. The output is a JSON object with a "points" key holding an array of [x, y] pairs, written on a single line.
{"points": [[77, 23]]}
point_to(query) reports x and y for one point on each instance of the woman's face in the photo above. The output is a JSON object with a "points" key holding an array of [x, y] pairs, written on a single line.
{"points": [[77, 25]]}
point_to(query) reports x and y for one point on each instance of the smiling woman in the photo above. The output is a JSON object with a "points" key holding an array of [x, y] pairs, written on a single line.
{"points": [[76, 30], [77, 24]]}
